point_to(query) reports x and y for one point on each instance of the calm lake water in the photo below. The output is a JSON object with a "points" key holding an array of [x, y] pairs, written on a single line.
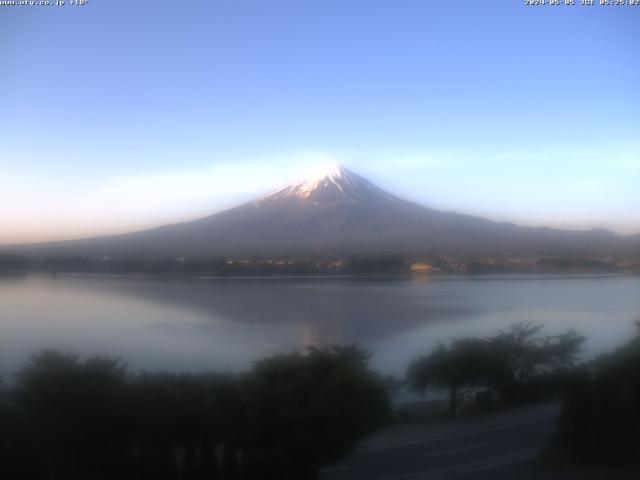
{"points": [[225, 324]]}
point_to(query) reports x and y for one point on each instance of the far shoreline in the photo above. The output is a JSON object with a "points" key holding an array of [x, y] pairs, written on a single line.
{"points": [[442, 276]]}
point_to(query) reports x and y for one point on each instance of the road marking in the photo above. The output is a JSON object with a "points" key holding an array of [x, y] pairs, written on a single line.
{"points": [[471, 467], [459, 434]]}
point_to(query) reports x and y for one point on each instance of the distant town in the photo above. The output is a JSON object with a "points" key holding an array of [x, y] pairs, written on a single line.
{"points": [[323, 265]]}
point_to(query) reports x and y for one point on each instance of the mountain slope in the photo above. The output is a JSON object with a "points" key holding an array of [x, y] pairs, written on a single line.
{"points": [[339, 212]]}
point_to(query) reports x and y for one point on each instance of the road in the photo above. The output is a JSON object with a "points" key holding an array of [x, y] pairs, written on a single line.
{"points": [[493, 446]]}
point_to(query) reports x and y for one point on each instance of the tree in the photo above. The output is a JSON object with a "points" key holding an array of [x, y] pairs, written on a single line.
{"points": [[561, 352], [70, 418], [308, 410], [464, 362], [520, 348], [600, 419], [529, 358], [512, 362], [71, 412]]}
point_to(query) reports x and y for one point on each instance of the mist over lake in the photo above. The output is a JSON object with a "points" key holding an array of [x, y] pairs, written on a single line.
{"points": [[225, 324]]}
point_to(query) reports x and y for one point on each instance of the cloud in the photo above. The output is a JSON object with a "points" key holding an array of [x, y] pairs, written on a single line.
{"points": [[629, 162], [218, 181], [127, 203]]}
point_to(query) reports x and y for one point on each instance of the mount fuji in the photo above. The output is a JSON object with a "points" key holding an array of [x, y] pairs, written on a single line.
{"points": [[338, 212]]}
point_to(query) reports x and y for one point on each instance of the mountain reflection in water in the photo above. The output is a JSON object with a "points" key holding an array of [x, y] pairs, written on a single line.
{"points": [[225, 324]]}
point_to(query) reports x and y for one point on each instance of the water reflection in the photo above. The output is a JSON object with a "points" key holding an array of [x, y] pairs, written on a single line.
{"points": [[199, 324]]}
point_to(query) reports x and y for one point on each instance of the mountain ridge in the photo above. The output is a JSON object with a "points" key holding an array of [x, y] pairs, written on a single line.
{"points": [[337, 211]]}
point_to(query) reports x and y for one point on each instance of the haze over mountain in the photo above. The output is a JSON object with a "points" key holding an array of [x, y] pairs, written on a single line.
{"points": [[339, 212]]}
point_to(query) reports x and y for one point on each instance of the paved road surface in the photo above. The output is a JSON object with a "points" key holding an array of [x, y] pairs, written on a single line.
{"points": [[493, 446]]}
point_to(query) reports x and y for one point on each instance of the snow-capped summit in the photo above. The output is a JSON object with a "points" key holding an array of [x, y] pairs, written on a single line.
{"points": [[333, 176], [329, 184]]}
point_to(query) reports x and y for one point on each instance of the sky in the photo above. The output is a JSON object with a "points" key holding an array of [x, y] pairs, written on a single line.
{"points": [[121, 115]]}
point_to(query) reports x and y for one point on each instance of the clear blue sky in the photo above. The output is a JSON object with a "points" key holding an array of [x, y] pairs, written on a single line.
{"points": [[125, 114]]}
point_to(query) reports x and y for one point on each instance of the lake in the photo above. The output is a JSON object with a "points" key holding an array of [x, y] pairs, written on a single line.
{"points": [[224, 324]]}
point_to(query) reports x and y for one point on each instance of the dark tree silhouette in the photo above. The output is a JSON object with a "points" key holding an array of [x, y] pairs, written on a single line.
{"points": [[69, 418], [517, 362], [600, 420], [308, 410], [71, 411], [534, 363], [464, 362]]}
